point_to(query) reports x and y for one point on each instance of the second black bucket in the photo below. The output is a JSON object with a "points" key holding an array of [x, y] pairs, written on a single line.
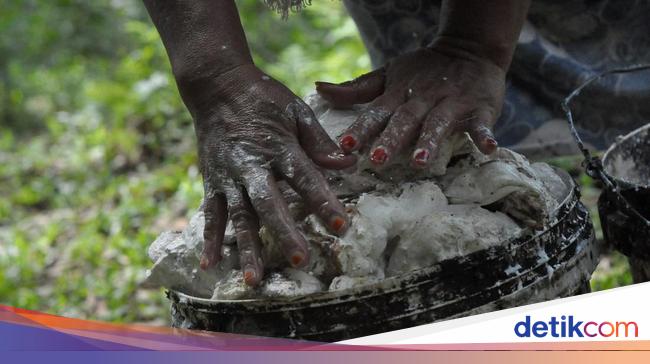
{"points": [[624, 204], [628, 162]]}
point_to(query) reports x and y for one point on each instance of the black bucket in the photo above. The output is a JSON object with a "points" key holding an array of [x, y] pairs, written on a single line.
{"points": [[624, 204], [556, 262]]}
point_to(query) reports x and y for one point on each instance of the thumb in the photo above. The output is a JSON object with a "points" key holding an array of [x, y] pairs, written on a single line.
{"points": [[361, 90], [317, 144]]}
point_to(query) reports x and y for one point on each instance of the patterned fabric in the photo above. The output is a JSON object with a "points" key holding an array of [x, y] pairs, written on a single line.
{"points": [[563, 43]]}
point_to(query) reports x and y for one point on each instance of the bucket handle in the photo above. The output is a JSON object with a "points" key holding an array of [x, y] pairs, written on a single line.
{"points": [[593, 164]]}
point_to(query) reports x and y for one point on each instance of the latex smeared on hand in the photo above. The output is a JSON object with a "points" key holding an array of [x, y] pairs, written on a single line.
{"points": [[418, 100], [252, 132]]}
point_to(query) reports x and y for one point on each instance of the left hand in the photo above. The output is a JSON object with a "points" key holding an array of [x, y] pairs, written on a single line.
{"points": [[421, 97]]}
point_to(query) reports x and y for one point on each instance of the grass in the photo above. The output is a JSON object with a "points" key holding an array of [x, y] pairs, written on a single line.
{"points": [[97, 153]]}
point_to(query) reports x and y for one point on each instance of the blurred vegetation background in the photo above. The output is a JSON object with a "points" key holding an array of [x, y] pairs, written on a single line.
{"points": [[97, 153]]}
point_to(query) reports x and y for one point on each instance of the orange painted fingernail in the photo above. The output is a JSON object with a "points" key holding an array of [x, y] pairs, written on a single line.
{"points": [[420, 157], [347, 142], [204, 262], [491, 144], [321, 84], [338, 224], [297, 259], [249, 277], [379, 156]]}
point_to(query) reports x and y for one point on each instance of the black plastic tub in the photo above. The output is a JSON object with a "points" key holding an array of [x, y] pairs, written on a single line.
{"points": [[628, 162], [555, 262], [624, 204]]}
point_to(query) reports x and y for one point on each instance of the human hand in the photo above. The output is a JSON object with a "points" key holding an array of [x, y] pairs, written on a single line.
{"points": [[252, 131], [421, 97]]}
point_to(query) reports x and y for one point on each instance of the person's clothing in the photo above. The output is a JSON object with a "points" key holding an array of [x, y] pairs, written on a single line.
{"points": [[563, 43]]}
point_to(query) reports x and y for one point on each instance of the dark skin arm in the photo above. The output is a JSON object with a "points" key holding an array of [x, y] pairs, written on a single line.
{"points": [[456, 84], [251, 132]]}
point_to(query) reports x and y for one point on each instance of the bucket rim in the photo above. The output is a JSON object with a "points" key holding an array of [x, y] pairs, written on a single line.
{"points": [[620, 141]]}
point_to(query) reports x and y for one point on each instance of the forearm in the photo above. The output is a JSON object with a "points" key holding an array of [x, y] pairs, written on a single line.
{"points": [[203, 38], [486, 28]]}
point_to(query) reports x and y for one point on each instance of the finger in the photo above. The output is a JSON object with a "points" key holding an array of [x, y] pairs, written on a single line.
{"points": [[215, 212], [361, 90], [272, 209], [317, 144], [479, 130], [401, 130], [437, 126], [310, 184], [247, 233], [370, 123]]}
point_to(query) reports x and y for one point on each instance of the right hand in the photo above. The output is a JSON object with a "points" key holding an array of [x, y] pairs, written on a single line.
{"points": [[251, 131]]}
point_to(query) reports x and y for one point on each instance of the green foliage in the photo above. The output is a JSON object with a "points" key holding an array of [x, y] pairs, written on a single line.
{"points": [[97, 153], [320, 43], [613, 271]]}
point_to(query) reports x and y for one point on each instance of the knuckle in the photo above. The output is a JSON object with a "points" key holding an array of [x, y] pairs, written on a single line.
{"points": [[246, 250], [259, 197], [284, 229], [210, 227], [208, 236], [244, 240], [371, 117], [425, 140], [324, 207], [303, 182], [486, 113], [241, 216], [403, 113], [482, 130], [437, 121], [305, 110], [257, 184], [210, 223]]}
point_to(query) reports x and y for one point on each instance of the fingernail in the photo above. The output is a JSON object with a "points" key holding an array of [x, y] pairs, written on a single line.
{"points": [[379, 156], [296, 259], [420, 156], [491, 145], [204, 262], [347, 142], [321, 84], [338, 223], [249, 276]]}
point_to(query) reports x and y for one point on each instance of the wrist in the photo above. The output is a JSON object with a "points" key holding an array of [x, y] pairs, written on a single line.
{"points": [[208, 84], [191, 76], [497, 52]]}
